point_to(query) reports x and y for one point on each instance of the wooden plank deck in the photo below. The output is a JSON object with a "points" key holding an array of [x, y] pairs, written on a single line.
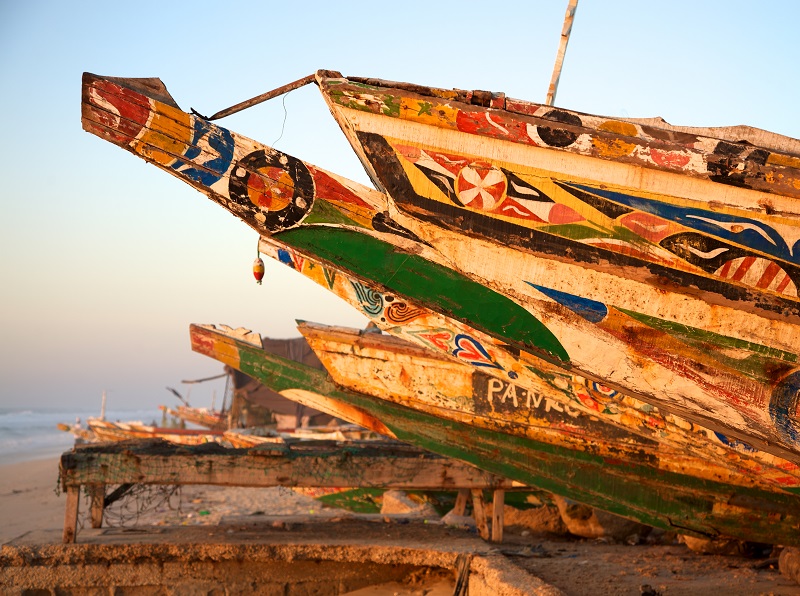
{"points": [[326, 464]]}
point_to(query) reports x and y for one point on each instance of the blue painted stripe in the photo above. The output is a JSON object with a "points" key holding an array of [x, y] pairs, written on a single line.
{"points": [[591, 310]]}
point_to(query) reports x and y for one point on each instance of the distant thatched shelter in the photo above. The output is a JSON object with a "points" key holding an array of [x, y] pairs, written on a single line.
{"points": [[257, 405]]}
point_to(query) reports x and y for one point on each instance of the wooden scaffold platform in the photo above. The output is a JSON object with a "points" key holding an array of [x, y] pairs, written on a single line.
{"points": [[317, 463]]}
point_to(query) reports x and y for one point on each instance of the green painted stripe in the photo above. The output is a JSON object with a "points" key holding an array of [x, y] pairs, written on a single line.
{"points": [[708, 337], [762, 363], [436, 287], [576, 231], [325, 213]]}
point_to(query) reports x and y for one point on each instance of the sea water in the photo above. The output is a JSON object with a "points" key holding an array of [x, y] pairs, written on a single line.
{"points": [[28, 434]]}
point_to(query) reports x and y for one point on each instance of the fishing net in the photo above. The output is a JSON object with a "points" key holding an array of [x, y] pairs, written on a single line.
{"points": [[135, 504]]}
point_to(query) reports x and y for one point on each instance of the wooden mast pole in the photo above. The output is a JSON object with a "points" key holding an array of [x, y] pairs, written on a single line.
{"points": [[562, 49], [263, 97]]}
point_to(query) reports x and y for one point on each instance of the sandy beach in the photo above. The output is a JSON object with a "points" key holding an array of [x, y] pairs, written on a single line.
{"points": [[30, 498], [30, 501]]}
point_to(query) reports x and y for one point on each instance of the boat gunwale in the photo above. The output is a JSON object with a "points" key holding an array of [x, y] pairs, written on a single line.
{"points": [[481, 99]]}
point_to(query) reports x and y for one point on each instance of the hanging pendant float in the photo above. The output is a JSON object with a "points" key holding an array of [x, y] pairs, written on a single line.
{"points": [[258, 270]]}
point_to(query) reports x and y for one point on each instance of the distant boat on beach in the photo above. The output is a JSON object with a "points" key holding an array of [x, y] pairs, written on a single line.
{"points": [[104, 430], [205, 417]]}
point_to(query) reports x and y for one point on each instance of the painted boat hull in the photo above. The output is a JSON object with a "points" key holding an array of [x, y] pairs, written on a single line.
{"points": [[622, 415], [245, 438], [388, 368], [657, 255], [634, 489], [105, 430], [210, 419], [751, 396]]}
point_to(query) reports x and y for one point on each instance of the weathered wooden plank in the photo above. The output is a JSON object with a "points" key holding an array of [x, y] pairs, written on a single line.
{"points": [[303, 464], [618, 484]]}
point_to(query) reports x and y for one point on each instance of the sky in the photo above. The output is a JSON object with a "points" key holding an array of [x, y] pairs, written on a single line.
{"points": [[105, 261]]}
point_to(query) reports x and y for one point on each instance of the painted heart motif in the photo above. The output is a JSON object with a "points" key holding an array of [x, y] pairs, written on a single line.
{"points": [[470, 350], [440, 339]]}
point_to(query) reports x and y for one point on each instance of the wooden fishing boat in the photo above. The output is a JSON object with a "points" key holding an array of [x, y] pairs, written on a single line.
{"points": [[205, 417], [80, 433], [244, 438], [656, 260], [393, 369], [105, 430], [611, 475], [586, 397]]}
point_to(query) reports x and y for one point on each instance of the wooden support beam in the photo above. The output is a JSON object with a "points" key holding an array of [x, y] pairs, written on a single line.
{"points": [[117, 494], [71, 515], [97, 495], [479, 511], [498, 505], [460, 507]]}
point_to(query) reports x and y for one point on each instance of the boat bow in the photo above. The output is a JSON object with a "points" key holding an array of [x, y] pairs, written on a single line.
{"points": [[567, 289]]}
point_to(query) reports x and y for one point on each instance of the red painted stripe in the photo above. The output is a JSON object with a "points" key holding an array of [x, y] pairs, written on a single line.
{"points": [[784, 282], [744, 267], [771, 271], [331, 190]]}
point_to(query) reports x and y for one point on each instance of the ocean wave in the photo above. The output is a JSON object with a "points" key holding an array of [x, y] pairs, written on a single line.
{"points": [[31, 434], [17, 413]]}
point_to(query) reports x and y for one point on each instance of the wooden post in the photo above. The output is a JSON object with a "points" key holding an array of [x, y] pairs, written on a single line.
{"points": [[562, 50], [479, 512], [97, 494], [71, 515], [498, 504], [460, 507]]}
